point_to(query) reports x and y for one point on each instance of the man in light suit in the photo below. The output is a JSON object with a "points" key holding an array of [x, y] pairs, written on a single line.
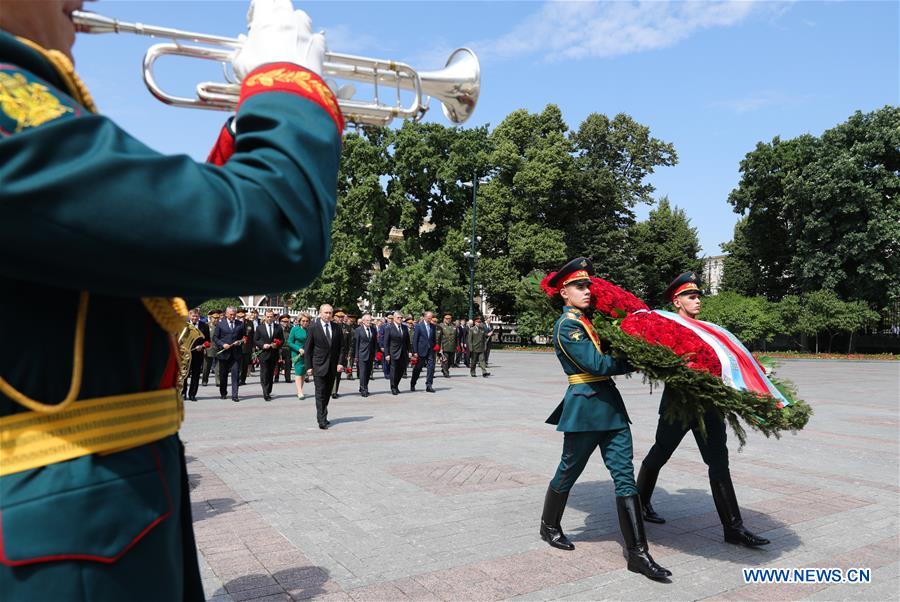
{"points": [[396, 349], [229, 338], [365, 345], [265, 337], [324, 348], [423, 342]]}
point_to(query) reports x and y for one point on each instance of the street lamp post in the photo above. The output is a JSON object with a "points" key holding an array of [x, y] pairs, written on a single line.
{"points": [[472, 254]]}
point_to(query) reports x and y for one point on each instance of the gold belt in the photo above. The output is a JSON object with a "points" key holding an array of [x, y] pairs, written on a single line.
{"points": [[105, 424], [584, 377]]}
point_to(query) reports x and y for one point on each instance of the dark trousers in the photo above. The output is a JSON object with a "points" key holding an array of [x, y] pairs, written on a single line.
{"points": [[398, 368], [267, 366], [713, 448], [324, 385], [429, 373], [446, 362], [487, 349], [192, 380], [616, 449], [365, 374], [245, 367], [337, 381], [232, 366], [386, 367], [284, 366], [209, 365]]}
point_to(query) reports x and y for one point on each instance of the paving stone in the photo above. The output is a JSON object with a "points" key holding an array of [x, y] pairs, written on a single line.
{"points": [[429, 497]]}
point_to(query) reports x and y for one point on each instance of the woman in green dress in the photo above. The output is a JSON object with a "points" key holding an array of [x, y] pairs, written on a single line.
{"points": [[297, 343]]}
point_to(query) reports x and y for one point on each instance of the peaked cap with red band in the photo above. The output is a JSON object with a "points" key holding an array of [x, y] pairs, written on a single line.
{"points": [[689, 282], [577, 270]]}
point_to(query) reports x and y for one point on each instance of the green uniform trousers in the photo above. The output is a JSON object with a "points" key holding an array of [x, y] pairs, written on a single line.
{"points": [[713, 447], [616, 449], [477, 357]]}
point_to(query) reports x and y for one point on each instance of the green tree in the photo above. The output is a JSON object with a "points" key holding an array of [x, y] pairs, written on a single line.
{"points": [[821, 213], [220, 304], [750, 319], [664, 245]]}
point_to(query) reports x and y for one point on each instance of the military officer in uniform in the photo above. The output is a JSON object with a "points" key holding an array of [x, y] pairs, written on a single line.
{"points": [[684, 292], [198, 354], [351, 357], [592, 414], [340, 321], [446, 340], [246, 347], [209, 362], [476, 341], [92, 227]]}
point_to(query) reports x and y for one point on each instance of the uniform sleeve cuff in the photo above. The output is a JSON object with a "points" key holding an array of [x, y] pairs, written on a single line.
{"points": [[294, 79]]}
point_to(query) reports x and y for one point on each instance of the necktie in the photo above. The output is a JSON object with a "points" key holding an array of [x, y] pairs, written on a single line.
{"points": [[328, 330], [368, 334], [270, 331], [230, 325]]}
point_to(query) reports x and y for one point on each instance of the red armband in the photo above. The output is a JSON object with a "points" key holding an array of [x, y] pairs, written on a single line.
{"points": [[224, 146], [288, 77]]}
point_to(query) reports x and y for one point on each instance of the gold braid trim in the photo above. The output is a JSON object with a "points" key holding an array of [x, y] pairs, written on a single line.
{"points": [[170, 314]]}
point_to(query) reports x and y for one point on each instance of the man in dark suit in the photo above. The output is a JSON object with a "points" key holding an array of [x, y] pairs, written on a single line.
{"points": [[198, 353], [267, 339], [324, 348], [461, 334], [229, 338], [365, 345], [396, 349], [423, 342]]}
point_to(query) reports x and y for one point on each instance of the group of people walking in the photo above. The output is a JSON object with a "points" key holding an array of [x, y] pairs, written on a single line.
{"points": [[233, 343]]}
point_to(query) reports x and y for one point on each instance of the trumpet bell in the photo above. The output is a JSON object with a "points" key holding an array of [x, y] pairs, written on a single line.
{"points": [[456, 86]]}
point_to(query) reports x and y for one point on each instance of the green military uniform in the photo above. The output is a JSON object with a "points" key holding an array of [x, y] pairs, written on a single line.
{"points": [[346, 334], [477, 343], [591, 414], [446, 341], [93, 228]]}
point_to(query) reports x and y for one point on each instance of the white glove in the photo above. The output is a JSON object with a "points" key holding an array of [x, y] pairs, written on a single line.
{"points": [[344, 92], [277, 33]]}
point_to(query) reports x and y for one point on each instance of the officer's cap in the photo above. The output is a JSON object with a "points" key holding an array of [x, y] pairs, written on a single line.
{"points": [[448, 316], [689, 282], [578, 270], [339, 313]]}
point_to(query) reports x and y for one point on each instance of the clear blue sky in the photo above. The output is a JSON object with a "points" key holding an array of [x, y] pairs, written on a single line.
{"points": [[713, 78]]}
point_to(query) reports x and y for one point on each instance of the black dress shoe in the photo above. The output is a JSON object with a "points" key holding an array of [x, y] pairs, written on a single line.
{"points": [[430, 390], [474, 375], [193, 398], [267, 398], [327, 422], [364, 393], [412, 388], [235, 399], [323, 427], [334, 395], [486, 374], [223, 396], [395, 391]]}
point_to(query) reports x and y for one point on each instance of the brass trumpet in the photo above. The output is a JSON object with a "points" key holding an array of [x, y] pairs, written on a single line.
{"points": [[456, 86]]}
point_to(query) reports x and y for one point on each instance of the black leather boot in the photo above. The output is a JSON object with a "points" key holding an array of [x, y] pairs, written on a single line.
{"points": [[639, 559], [646, 483], [730, 515], [551, 529]]}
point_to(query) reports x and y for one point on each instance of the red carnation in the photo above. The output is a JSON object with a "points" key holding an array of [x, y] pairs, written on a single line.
{"points": [[378, 356], [276, 342], [658, 330], [206, 344], [613, 300], [545, 285], [437, 347]]}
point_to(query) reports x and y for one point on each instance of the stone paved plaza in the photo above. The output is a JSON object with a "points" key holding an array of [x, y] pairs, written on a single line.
{"points": [[438, 496]]}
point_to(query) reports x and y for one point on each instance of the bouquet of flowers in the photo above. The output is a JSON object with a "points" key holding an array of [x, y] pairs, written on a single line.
{"points": [[705, 366], [276, 343]]}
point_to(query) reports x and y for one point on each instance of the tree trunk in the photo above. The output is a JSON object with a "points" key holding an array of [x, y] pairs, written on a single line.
{"points": [[817, 343], [850, 344]]}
